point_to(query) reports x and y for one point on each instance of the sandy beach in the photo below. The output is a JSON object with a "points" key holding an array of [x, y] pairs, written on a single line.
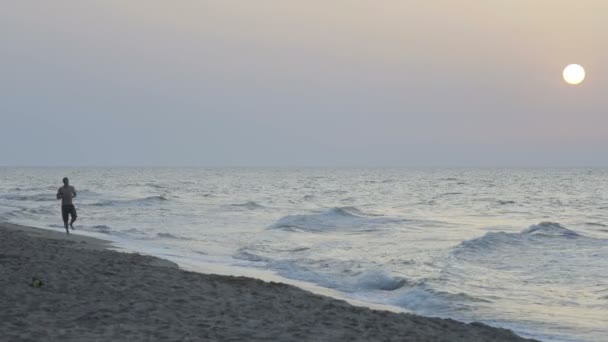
{"points": [[90, 293]]}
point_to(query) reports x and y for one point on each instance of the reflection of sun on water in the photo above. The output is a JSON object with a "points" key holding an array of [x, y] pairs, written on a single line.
{"points": [[574, 74]]}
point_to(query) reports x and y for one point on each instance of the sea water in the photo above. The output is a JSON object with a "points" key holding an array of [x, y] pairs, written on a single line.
{"points": [[524, 249]]}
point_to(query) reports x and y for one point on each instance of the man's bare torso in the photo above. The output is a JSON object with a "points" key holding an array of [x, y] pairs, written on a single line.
{"points": [[67, 193]]}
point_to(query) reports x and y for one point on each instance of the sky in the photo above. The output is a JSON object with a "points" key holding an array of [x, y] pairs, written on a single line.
{"points": [[302, 83]]}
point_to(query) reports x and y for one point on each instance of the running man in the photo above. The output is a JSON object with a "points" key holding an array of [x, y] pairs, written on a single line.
{"points": [[66, 193]]}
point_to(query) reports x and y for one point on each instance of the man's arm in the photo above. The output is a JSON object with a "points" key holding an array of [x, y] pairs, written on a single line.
{"points": [[74, 191], [59, 195]]}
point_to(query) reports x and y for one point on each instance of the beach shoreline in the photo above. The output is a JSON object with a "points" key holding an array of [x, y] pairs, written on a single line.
{"points": [[92, 293]]}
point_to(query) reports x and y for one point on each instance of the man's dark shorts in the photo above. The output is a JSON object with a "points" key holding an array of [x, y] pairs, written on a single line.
{"points": [[67, 210]]}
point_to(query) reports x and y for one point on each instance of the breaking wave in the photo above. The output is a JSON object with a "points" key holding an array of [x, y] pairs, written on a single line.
{"points": [[534, 233], [339, 218], [549, 229], [425, 300], [377, 280], [370, 279], [375, 284]]}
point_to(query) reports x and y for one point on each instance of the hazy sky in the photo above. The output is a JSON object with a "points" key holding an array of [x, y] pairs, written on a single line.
{"points": [[302, 83]]}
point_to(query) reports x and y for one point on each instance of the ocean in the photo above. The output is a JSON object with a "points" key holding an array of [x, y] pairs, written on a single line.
{"points": [[524, 249]]}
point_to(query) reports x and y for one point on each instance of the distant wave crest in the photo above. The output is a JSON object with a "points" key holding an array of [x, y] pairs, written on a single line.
{"points": [[549, 229], [150, 200], [248, 205], [596, 224], [41, 197], [339, 218]]}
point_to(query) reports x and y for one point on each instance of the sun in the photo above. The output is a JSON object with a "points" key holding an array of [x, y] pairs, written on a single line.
{"points": [[574, 74]]}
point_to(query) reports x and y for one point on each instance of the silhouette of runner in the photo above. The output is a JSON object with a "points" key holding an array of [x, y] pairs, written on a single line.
{"points": [[66, 193]]}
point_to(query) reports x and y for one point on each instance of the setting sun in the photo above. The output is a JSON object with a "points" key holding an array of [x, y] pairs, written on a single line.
{"points": [[574, 74]]}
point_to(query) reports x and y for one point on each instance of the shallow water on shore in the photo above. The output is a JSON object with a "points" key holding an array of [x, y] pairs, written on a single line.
{"points": [[525, 249]]}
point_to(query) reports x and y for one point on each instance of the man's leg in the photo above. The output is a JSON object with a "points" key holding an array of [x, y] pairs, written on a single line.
{"points": [[64, 214], [74, 217]]}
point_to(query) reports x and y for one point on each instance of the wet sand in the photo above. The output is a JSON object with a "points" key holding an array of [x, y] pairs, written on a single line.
{"points": [[91, 293]]}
